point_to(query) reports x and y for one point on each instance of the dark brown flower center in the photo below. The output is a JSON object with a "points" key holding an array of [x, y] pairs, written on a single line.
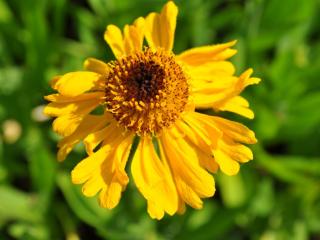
{"points": [[146, 91]]}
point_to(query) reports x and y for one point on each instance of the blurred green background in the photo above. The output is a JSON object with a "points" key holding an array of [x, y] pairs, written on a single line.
{"points": [[276, 196]]}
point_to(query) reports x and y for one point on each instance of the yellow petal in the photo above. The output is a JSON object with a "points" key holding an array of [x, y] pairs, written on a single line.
{"points": [[228, 154], [237, 152], [226, 54], [95, 138], [130, 41], [185, 193], [160, 28], [216, 84], [181, 207], [188, 194], [97, 66], [109, 197], [226, 164], [91, 187], [133, 36], [236, 131], [87, 167], [69, 119], [211, 71], [153, 179], [84, 169], [245, 79], [121, 155], [114, 174], [207, 161], [197, 138], [204, 126], [77, 108], [234, 103], [66, 124], [201, 141], [100, 170], [89, 124], [238, 105], [201, 55], [222, 95], [154, 211], [184, 162], [76, 83], [203, 99], [113, 36], [64, 99]]}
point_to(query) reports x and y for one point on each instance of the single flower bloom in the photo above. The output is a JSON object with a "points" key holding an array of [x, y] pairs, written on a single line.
{"points": [[150, 94]]}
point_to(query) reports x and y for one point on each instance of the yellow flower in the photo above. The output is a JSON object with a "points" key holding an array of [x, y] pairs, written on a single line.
{"points": [[151, 94]]}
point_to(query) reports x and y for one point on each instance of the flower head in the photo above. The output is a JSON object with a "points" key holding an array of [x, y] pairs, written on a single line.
{"points": [[151, 94]]}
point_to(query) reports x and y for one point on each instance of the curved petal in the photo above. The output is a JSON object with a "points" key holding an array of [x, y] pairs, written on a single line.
{"points": [[95, 138], [69, 118], [234, 103], [245, 80], [95, 65], [114, 175], [206, 129], [230, 150], [192, 181], [238, 105], [75, 83], [133, 36], [226, 163], [89, 166], [104, 170], [201, 55], [66, 124], [130, 41], [229, 154], [211, 71], [196, 141], [65, 99], [197, 138], [222, 94], [113, 36], [234, 130], [207, 161], [81, 107], [89, 124], [160, 28], [238, 152], [210, 94], [154, 181]]}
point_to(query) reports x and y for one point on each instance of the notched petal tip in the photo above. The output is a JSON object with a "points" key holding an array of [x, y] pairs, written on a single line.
{"points": [[160, 28], [227, 165]]}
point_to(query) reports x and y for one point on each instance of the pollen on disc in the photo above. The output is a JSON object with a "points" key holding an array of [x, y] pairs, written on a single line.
{"points": [[146, 91]]}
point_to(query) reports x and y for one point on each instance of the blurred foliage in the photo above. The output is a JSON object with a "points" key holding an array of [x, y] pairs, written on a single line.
{"points": [[276, 196]]}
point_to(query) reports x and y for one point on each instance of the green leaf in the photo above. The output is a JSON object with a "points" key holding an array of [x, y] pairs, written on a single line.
{"points": [[303, 115], [5, 13], [281, 170], [10, 80], [42, 166], [263, 200], [17, 205], [232, 190]]}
